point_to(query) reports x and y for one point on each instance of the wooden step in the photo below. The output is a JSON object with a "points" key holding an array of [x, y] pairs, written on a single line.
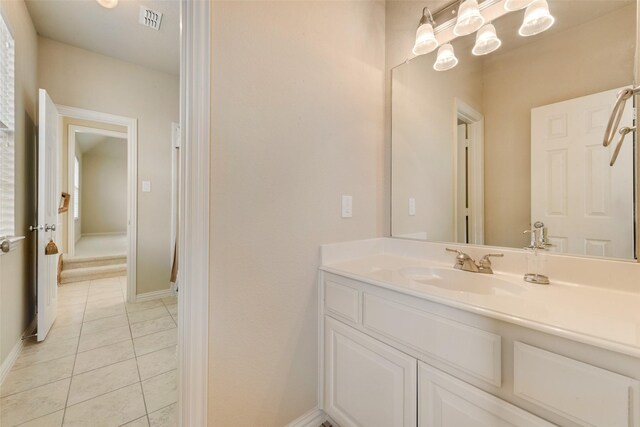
{"points": [[71, 263], [92, 273]]}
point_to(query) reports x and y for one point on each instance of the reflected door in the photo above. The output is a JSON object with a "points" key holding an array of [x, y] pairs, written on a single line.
{"points": [[586, 204]]}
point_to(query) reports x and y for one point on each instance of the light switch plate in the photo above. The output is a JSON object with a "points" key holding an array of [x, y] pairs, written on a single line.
{"points": [[347, 206], [412, 206], [146, 186]]}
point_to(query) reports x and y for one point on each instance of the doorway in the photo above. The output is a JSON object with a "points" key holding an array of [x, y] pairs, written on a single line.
{"points": [[101, 174], [468, 174]]}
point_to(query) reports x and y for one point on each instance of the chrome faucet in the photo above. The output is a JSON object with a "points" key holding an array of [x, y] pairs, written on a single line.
{"points": [[465, 263]]}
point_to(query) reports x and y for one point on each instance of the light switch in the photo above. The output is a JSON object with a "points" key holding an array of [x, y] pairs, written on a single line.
{"points": [[347, 206], [412, 206], [146, 186]]}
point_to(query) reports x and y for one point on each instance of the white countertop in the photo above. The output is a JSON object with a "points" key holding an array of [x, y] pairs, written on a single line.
{"points": [[597, 315]]}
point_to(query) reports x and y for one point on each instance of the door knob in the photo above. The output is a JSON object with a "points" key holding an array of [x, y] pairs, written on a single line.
{"points": [[5, 246], [51, 227], [36, 228]]}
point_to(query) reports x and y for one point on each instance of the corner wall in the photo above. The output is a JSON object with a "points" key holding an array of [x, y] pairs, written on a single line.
{"points": [[298, 121]]}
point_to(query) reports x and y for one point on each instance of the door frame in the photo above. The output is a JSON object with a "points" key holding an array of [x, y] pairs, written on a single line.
{"points": [[193, 230], [475, 179], [71, 152], [132, 179]]}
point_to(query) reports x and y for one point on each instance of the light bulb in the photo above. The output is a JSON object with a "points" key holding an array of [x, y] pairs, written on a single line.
{"points": [[536, 19], [446, 59], [425, 40], [486, 40], [469, 18], [109, 4]]}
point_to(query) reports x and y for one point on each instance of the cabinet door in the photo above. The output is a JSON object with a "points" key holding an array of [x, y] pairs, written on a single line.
{"points": [[367, 383], [445, 401]]}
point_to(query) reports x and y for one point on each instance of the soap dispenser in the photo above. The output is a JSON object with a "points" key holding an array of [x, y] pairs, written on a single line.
{"points": [[536, 261]]}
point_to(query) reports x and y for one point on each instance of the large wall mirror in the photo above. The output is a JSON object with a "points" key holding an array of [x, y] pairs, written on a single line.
{"points": [[482, 151]]}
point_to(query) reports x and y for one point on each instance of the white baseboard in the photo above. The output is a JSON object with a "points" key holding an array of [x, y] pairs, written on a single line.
{"points": [[15, 352], [313, 418], [148, 296], [108, 233]]}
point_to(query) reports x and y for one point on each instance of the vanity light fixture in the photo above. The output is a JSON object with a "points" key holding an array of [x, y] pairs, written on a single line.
{"points": [[425, 38], [512, 5], [109, 4], [469, 18], [446, 59], [486, 40], [536, 19]]}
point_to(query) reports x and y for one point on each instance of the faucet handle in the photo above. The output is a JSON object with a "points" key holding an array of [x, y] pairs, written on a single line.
{"points": [[461, 255], [487, 256]]}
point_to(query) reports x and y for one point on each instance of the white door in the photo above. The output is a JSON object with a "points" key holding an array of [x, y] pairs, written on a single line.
{"points": [[48, 197], [446, 401], [586, 204], [367, 383], [461, 186]]}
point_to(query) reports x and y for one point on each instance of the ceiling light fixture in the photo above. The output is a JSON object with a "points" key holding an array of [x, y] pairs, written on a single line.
{"points": [[512, 5], [469, 18], [425, 38], [486, 40], [536, 19], [446, 59], [109, 4]]}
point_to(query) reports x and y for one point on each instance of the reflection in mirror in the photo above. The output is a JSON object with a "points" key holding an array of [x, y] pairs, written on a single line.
{"points": [[483, 150]]}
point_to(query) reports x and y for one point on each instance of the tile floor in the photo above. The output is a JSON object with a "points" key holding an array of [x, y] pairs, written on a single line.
{"points": [[105, 363]]}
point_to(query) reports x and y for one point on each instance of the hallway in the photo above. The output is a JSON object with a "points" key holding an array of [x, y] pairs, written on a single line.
{"points": [[104, 363]]}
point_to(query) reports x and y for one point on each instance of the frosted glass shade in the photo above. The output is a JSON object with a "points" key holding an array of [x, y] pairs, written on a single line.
{"points": [[469, 18], [486, 40], [425, 40], [512, 5], [536, 19], [446, 59], [109, 4]]}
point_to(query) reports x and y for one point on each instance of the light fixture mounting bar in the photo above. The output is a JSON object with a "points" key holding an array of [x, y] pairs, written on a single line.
{"points": [[445, 17]]}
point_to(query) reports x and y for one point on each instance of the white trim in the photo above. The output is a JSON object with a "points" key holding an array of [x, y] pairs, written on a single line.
{"points": [[109, 233], [476, 171], [313, 418], [175, 182], [15, 351], [132, 180], [193, 232], [148, 296]]}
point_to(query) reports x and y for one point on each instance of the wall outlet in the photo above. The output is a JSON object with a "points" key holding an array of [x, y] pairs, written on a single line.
{"points": [[347, 206], [146, 186], [412, 206]]}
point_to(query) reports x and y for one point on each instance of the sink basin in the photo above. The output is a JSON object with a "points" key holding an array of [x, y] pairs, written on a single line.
{"points": [[461, 281]]}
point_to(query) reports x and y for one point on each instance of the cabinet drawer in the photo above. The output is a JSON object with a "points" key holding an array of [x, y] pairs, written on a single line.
{"points": [[445, 401], [582, 393], [342, 300], [471, 350]]}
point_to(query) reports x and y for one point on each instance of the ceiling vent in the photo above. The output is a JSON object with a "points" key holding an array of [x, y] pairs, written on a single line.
{"points": [[150, 18]]}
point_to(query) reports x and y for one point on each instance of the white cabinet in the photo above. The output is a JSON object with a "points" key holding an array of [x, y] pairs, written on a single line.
{"points": [[367, 383], [582, 393], [448, 402]]}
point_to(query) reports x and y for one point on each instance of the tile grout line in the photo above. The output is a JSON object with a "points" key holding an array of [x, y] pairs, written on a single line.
{"points": [[144, 400], [64, 413]]}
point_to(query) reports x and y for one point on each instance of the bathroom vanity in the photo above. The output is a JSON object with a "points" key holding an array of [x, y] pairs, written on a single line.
{"points": [[406, 340]]}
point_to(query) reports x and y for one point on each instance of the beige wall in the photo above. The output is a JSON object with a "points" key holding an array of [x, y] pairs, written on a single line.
{"points": [[17, 277], [424, 142], [592, 57], [104, 188], [298, 95], [83, 79]]}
